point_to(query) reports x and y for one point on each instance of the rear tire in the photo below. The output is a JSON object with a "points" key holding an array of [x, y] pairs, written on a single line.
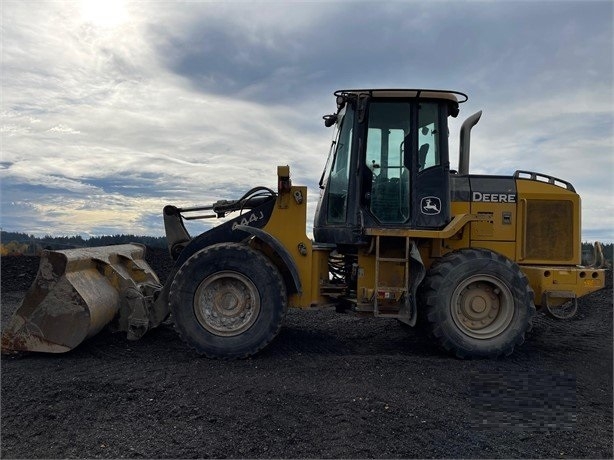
{"points": [[478, 303], [228, 301]]}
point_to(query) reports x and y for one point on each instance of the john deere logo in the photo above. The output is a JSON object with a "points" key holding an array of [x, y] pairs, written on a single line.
{"points": [[430, 205]]}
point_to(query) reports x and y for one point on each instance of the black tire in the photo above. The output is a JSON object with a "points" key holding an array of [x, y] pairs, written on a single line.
{"points": [[228, 301], [477, 304]]}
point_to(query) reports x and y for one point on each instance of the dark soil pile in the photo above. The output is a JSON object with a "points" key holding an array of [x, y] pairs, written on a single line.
{"points": [[329, 386], [17, 272]]}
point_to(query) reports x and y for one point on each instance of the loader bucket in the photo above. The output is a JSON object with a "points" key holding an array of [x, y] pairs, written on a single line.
{"points": [[75, 294]]}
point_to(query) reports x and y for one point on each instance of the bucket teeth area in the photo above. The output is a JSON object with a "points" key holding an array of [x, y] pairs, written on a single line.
{"points": [[75, 294]]}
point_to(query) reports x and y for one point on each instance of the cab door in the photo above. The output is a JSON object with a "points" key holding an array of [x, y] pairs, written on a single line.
{"points": [[387, 179], [430, 167], [405, 180]]}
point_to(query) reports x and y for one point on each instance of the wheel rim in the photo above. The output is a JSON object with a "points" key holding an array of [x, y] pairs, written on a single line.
{"points": [[226, 303], [482, 306]]}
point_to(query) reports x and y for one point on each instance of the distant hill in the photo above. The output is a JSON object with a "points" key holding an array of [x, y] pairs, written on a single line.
{"points": [[22, 243]]}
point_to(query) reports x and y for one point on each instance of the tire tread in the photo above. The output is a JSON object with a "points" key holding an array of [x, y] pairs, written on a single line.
{"points": [[431, 300], [216, 251]]}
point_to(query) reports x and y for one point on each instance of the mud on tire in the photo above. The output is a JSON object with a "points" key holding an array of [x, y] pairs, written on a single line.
{"points": [[228, 301], [477, 303]]}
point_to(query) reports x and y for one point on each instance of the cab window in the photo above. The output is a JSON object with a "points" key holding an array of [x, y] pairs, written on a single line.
{"points": [[389, 126], [428, 136]]}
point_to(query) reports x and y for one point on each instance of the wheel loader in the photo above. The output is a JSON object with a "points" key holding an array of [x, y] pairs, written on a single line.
{"points": [[397, 234]]}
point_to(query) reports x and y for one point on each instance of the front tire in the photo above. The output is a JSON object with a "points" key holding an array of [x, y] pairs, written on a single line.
{"points": [[477, 304], [228, 301]]}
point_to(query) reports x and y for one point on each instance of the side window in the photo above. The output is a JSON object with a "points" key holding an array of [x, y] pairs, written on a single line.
{"points": [[389, 124], [428, 136], [338, 182]]}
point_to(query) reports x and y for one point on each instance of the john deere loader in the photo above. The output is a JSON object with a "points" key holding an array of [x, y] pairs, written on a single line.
{"points": [[397, 234]]}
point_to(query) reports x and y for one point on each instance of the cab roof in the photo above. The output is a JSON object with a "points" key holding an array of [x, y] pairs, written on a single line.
{"points": [[449, 95]]}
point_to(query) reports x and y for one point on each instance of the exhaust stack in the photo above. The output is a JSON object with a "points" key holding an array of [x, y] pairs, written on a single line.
{"points": [[465, 141]]}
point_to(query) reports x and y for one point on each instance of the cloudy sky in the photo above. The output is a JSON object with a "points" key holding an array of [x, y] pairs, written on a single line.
{"points": [[112, 109]]}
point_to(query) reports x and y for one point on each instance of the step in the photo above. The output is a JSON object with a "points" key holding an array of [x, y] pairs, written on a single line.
{"points": [[392, 259]]}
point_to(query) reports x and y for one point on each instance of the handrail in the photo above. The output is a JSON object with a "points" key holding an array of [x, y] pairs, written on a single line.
{"points": [[539, 177]]}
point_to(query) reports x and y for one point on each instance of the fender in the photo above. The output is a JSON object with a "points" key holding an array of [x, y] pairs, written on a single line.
{"points": [[278, 248], [223, 233]]}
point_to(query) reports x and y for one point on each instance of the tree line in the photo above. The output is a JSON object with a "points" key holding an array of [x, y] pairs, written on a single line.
{"points": [[15, 243]]}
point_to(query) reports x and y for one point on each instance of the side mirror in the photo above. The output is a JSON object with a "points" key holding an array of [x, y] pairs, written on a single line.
{"points": [[329, 120]]}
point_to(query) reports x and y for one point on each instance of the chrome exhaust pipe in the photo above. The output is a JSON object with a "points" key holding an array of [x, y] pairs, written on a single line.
{"points": [[465, 141]]}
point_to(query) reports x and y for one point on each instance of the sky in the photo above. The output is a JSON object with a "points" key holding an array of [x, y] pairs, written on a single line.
{"points": [[113, 109]]}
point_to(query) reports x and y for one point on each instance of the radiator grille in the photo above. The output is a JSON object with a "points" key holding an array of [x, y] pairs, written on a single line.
{"points": [[549, 230]]}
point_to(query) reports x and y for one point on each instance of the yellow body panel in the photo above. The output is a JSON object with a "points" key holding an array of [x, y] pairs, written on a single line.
{"points": [[366, 277], [494, 229], [531, 192], [287, 224], [562, 283], [391, 274]]}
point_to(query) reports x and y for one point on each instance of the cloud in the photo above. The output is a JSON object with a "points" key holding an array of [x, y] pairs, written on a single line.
{"points": [[274, 52]]}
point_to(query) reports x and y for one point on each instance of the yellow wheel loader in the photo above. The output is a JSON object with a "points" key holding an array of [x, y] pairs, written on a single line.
{"points": [[397, 234]]}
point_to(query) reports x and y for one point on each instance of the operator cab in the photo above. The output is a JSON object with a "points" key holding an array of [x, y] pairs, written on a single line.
{"points": [[388, 164]]}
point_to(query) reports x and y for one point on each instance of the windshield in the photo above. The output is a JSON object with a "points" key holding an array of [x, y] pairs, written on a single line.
{"points": [[336, 175], [331, 152]]}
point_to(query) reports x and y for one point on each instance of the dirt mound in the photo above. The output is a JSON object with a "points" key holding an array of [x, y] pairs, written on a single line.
{"points": [[329, 386], [17, 272]]}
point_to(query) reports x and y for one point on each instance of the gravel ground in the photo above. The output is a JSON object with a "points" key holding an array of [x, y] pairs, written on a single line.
{"points": [[329, 386]]}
